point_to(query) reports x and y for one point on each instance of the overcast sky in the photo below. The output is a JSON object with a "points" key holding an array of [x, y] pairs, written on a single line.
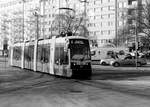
{"points": [[5, 1]]}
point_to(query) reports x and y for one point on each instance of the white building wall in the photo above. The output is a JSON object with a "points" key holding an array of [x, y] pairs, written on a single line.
{"points": [[102, 20], [14, 10]]}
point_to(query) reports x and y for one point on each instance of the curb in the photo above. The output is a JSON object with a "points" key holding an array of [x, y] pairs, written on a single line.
{"points": [[107, 71]]}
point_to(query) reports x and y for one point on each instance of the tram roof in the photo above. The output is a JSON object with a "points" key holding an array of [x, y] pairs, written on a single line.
{"points": [[45, 41], [18, 44], [63, 39], [71, 37], [76, 37]]}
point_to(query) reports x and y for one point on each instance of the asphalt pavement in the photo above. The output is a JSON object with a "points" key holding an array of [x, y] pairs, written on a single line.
{"points": [[21, 88]]}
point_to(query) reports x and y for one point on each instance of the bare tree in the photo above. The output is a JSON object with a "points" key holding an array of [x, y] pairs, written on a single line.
{"points": [[143, 23], [65, 23], [139, 24]]}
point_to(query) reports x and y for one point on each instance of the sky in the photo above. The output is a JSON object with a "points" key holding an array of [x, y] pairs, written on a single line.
{"points": [[4, 1]]}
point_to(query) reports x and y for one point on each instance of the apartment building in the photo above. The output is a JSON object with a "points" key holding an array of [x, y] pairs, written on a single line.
{"points": [[105, 19], [17, 14], [51, 8]]}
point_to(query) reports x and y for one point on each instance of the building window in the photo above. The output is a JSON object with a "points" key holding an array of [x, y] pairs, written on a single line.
{"points": [[108, 32], [120, 14], [49, 29], [104, 16], [97, 2], [108, 23], [120, 5], [125, 4], [120, 23], [111, 7], [102, 32], [112, 15], [105, 8]]}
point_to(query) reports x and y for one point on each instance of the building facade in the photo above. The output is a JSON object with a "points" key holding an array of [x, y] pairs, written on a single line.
{"points": [[104, 18], [16, 15]]}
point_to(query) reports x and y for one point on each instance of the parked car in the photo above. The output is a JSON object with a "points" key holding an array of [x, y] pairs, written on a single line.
{"points": [[129, 61], [108, 60]]}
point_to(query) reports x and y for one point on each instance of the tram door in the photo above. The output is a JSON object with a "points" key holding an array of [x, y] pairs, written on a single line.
{"points": [[45, 58], [61, 60], [43, 55]]}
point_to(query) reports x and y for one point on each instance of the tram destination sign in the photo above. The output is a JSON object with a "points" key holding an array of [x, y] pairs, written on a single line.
{"points": [[77, 41]]}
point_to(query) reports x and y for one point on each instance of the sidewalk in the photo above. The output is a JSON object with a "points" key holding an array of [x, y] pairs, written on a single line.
{"points": [[111, 69]]}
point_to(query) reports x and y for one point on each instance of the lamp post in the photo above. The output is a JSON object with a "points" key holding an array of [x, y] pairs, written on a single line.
{"points": [[84, 1], [136, 35], [37, 24], [116, 22], [23, 1], [43, 14]]}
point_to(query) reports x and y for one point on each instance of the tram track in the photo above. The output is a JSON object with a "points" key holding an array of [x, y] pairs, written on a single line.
{"points": [[30, 84], [114, 88], [40, 81]]}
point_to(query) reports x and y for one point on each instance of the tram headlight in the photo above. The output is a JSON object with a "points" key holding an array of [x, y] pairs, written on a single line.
{"points": [[74, 63], [88, 63]]}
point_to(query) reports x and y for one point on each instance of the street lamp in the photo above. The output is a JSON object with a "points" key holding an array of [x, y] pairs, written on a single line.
{"points": [[116, 21], [136, 34], [23, 1], [43, 8], [84, 1], [37, 24]]}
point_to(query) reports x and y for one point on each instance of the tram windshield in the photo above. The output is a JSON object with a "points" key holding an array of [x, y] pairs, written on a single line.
{"points": [[79, 49]]}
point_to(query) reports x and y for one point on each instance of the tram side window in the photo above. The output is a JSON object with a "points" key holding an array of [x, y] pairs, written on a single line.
{"points": [[61, 55], [17, 53], [39, 51], [31, 52], [43, 53], [26, 56]]}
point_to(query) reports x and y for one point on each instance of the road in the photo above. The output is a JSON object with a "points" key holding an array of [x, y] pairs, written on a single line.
{"points": [[23, 88]]}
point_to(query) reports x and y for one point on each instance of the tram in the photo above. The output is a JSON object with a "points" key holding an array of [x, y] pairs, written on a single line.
{"points": [[63, 56]]}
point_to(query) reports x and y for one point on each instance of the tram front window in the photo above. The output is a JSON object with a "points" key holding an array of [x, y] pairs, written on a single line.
{"points": [[79, 49]]}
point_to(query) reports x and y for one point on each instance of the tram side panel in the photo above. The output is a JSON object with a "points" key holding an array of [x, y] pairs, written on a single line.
{"points": [[10, 61]]}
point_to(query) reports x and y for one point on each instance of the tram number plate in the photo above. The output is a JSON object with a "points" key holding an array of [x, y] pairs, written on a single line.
{"points": [[81, 66], [81, 63]]}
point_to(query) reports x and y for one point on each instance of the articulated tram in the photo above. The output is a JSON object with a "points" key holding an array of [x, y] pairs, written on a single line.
{"points": [[63, 56]]}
